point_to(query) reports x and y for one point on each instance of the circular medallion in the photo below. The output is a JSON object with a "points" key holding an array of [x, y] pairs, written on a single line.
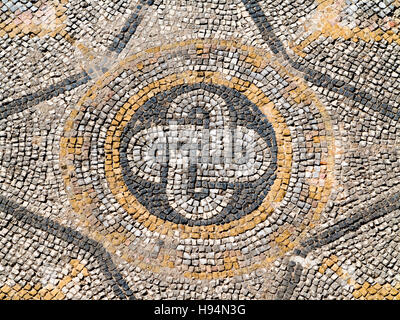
{"points": [[190, 156], [194, 143]]}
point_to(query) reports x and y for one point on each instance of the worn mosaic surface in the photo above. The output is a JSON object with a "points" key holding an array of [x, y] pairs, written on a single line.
{"points": [[181, 149]]}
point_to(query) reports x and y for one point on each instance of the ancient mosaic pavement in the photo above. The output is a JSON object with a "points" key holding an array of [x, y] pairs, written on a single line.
{"points": [[181, 149]]}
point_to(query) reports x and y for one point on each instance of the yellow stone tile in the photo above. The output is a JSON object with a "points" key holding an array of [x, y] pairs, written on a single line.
{"points": [[329, 262], [394, 292], [363, 291], [6, 289], [60, 296], [372, 290], [384, 292], [322, 269], [48, 296], [366, 285], [378, 296]]}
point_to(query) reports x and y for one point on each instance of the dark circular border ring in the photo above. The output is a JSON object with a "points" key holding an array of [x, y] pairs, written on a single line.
{"points": [[247, 195]]}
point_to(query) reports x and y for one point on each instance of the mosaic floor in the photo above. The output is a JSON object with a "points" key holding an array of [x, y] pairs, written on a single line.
{"points": [[208, 149]]}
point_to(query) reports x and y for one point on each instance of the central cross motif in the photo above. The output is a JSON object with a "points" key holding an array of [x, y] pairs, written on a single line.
{"points": [[198, 154]]}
